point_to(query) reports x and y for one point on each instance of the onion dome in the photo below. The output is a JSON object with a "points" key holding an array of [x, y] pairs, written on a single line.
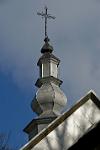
{"points": [[46, 47], [49, 100]]}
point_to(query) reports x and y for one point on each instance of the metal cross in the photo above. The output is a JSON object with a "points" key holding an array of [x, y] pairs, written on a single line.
{"points": [[46, 16]]}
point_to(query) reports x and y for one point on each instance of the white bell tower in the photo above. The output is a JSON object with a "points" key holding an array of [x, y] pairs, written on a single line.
{"points": [[49, 99]]}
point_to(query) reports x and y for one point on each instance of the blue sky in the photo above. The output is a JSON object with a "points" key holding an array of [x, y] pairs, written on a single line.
{"points": [[75, 36]]}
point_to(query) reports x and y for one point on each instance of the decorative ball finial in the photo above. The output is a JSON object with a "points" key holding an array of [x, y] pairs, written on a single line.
{"points": [[46, 39]]}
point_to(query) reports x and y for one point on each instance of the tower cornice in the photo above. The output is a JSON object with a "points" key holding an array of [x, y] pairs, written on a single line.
{"points": [[47, 57], [44, 80]]}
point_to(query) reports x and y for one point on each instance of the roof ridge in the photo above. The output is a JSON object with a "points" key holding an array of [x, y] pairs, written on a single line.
{"points": [[59, 120]]}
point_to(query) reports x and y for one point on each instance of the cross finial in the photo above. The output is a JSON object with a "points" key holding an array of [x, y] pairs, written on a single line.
{"points": [[46, 16]]}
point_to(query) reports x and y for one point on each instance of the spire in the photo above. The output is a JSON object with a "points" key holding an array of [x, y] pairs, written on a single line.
{"points": [[49, 100]]}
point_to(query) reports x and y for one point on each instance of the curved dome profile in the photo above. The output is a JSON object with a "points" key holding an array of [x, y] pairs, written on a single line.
{"points": [[49, 100]]}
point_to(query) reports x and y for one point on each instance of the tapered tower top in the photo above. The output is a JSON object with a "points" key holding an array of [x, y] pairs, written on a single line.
{"points": [[49, 100]]}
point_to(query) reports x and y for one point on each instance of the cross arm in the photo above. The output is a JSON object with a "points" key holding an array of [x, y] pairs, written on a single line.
{"points": [[50, 17], [41, 14]]}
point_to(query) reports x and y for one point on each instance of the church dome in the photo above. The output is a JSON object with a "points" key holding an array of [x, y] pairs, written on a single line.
{"points": [[46, 47], [50, 100]]}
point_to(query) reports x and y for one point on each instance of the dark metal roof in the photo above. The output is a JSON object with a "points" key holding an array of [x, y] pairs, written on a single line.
{"points": [[46, 47]]}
